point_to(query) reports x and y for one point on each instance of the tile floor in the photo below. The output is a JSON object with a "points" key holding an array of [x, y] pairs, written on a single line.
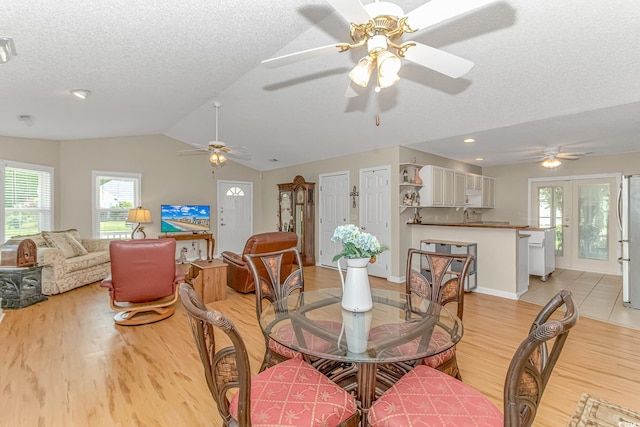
{"points": [[598, 296]]}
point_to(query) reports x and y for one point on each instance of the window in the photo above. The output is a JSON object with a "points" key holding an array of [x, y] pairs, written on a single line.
{"points": [[114, 194], [28, 198]]}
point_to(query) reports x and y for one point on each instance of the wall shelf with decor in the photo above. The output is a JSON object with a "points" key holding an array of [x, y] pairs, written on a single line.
{"points": [[410, 185]]}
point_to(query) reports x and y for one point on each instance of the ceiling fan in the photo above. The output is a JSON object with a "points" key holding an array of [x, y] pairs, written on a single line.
{"points": [[218, 150], [380, 27], [551, 157]]}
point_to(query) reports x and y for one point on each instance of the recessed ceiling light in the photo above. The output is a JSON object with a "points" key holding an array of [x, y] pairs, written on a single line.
{"points": [[469, 140], [80, 93], [479, 159]]}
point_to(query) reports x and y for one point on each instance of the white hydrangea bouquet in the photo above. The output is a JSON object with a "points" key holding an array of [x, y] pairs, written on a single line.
{"points": [[356, 243]]}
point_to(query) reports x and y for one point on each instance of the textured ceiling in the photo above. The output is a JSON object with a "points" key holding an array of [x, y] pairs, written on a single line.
{"points": [[547, 73]]}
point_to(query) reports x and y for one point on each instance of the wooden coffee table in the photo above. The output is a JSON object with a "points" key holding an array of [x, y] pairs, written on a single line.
{"points": [[209, 279]]}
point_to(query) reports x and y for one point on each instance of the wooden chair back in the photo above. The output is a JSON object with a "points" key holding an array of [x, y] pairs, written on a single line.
{"points": [[441, 278], [224, 369], [534, 360], [277, 274]]}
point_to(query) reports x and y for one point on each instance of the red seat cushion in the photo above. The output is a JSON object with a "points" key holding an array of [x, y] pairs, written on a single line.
{"points": [[293, 393], [438, 339], [286, 334], [427, 397]]}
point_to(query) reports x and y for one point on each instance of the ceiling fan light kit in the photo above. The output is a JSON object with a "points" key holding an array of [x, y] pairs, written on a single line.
{"points": [[551, 163], [380, 25]]}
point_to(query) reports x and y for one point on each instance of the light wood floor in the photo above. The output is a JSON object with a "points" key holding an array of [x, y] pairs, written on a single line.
{"points": [[63, 362]]}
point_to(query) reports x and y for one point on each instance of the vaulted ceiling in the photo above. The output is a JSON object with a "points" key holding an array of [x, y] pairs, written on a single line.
{"points": [[547, 73]]}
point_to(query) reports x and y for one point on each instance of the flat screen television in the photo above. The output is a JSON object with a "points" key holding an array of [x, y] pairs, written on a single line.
{"points": [[185, 218]]}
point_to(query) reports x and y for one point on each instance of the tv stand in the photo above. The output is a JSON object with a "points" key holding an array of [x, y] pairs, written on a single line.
{"points": [[195, 236]]}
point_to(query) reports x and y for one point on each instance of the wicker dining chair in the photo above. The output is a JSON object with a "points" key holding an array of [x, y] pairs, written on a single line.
{"points": [[271, 288], [435, 282], [426, 396], [441, 279], [292, 393]]}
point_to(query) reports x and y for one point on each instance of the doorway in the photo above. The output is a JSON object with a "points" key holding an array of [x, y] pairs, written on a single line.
{"points": [[334, 211], [582, 210], [375, 213], [235, 215]]}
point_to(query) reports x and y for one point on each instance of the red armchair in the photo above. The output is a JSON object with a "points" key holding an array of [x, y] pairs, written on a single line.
{"points": [[143, 280], [239, 276]]}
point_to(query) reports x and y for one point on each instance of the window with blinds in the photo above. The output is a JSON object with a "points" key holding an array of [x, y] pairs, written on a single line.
{"points": [[114, 194], [27, 191]]}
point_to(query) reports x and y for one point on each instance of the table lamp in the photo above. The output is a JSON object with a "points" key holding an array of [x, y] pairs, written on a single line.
{"points": [[140, 216]]}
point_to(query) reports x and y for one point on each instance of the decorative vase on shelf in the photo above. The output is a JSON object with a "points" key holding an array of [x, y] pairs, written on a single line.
{"points": [[418, 180], [356, 293]]}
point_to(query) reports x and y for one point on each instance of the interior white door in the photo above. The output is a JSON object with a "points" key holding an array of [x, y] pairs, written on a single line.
{"points": [[334, 211], [235, 215], [375, 213]]}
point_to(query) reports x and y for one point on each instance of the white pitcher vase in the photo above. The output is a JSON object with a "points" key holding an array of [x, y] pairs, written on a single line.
{"points": [[356, 293]]}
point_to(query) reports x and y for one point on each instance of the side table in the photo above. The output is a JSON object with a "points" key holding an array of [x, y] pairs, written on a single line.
{"points": [[20, 286], [209, 279]]}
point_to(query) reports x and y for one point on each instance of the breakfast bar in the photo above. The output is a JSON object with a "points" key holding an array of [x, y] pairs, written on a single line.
{"points": [[502, 252]]}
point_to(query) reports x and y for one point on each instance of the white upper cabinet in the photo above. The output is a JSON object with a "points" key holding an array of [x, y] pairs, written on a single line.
{"points": [[442, 187], [432, 191], [488, 192]]}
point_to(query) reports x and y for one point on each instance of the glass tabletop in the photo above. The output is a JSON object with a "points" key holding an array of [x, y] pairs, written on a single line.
{"points": [[399, 327]]}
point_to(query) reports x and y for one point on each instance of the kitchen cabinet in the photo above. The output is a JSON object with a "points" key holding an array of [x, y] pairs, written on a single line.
{"points": [[432, 190], [488, 192], [450, 247], [448, 187], [459, 199]]}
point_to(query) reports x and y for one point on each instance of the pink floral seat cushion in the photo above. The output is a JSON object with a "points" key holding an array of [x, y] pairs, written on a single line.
{"points": [[286, 334], [438, 340], [293, 393], [427, 397]]}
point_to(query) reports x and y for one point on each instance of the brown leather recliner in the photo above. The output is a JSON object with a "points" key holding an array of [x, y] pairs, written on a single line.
{"points": [[239, 276]]}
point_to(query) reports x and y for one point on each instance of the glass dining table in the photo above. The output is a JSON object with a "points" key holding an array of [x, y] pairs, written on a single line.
{"points": [[364, 352]]}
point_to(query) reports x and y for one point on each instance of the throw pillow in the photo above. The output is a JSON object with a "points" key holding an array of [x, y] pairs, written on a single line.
{"points": [[37, 239], [66, 242]]}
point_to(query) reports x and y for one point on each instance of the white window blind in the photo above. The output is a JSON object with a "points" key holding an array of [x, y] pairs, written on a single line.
{"points": [[113, 195], [27, 191]]}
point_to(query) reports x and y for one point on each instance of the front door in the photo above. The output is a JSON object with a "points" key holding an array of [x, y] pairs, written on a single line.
{"points": [[375, 213], [334, 211], [235, 215]]}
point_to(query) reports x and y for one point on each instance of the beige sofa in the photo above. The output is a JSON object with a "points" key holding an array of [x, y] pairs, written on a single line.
{"points": [[69, 261]]}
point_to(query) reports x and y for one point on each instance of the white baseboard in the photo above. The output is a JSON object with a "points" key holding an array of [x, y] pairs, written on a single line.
{"points": [[495, 293]]}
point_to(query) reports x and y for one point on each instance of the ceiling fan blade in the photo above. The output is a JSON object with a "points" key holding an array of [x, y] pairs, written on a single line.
{"points": [[351, 10], [303, 54], [191, 152], [569, 156], [437, 11], [438, 60]]}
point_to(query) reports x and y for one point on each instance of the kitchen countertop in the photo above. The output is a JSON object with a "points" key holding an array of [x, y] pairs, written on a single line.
{"points": [[484, 224]]}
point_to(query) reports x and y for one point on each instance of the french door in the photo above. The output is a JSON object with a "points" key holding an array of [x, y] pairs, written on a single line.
{"points": [[582, 212]]}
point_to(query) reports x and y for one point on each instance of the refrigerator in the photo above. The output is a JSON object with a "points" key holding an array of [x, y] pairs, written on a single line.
{"points": [[629, 223]]}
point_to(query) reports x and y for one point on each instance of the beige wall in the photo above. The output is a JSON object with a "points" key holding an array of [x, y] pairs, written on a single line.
{"points": [[166, 177], [512, 183], [39, 152]]}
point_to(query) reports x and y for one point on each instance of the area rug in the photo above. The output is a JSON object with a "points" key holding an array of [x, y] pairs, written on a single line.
{"points": [[593, 412]]}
